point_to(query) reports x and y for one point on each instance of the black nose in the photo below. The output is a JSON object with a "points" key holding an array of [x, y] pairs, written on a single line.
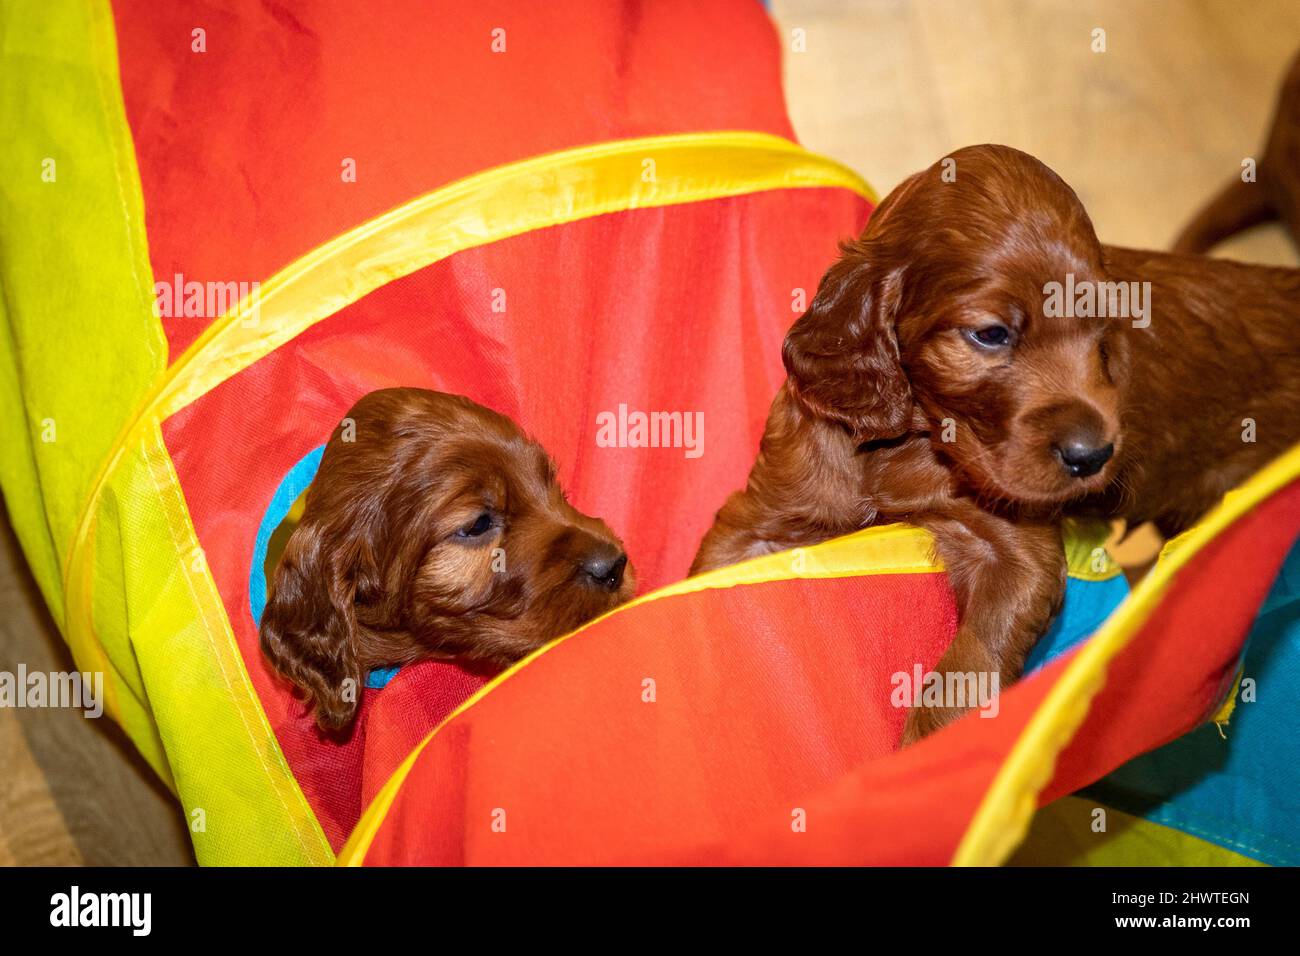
{"points": [[605, 568], [1082, 459]]}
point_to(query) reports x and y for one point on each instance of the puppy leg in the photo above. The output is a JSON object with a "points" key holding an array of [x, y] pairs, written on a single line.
{"points": [[1276, 195], [805, 487], [729, 542], [1236, 208], [749, 526], [1009, 579]]}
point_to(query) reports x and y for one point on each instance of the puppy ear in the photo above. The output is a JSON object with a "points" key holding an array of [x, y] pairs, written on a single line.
{"points": [[842, 355], [309, 627]]}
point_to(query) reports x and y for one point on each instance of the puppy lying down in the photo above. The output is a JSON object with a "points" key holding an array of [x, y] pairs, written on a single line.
{"points": [[434, 529]]}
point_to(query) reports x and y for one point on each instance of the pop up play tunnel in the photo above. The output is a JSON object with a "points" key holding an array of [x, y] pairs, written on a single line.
{"points": [[221, 225]]}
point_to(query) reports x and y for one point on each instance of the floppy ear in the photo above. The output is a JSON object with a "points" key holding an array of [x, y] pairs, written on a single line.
{"points": [[842, 356], [309, 627]]}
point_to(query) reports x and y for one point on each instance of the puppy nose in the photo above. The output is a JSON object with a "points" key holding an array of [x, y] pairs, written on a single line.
{"points": [[605, 567], [1082, 458]]}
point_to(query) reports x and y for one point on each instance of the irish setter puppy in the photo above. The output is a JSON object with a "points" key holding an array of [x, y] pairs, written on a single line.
{"points": [[953, 372], [434, 528]]}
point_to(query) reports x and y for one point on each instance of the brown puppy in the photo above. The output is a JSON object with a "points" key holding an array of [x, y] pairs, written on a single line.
{"points": [[1275, 192], [951, 373], [434, 528]]}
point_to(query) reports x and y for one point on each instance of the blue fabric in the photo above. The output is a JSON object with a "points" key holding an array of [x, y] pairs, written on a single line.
{"points": [[378, 678], [1087, 604], [293, 485], [1243, 792]]}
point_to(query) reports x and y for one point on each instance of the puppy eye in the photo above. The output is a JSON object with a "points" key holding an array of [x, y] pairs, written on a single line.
{"points": [[990, 337], [479, 526]]}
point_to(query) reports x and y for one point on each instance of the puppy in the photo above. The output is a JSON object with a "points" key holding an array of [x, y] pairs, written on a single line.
{"points": [[1275, 193], [943, 377], [434, 528]]}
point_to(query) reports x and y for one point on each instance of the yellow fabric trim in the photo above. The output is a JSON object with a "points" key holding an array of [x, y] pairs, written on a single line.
{"points": [[1000, 822], [62, 358], [485, 208], [274, 822], [183, 695], [888, 549], [481, 209], [105, 586]]}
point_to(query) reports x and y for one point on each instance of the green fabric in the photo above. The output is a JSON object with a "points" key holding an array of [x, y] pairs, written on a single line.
{"points": [[79, 344]]}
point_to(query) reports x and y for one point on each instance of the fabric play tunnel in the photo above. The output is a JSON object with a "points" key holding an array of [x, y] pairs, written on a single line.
{"points": [[572, 213]]}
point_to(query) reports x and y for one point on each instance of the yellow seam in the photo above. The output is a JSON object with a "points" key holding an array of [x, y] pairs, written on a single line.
{"points": [[1000, 821], [479, 191], [91, 651], [185, 541]]}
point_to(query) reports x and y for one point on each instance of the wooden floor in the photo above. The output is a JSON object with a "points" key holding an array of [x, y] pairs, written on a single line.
{"points": [[72, 790], [1145, 132]]}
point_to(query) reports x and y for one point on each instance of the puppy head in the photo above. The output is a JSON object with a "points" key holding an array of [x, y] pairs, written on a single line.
{"points": [[938, 318], [434, 528]]}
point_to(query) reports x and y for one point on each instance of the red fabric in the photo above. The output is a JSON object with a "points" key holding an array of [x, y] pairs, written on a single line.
{"points": [[681, 308], [341, 778], [774, 698], [240, 148], [762, 694]]}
